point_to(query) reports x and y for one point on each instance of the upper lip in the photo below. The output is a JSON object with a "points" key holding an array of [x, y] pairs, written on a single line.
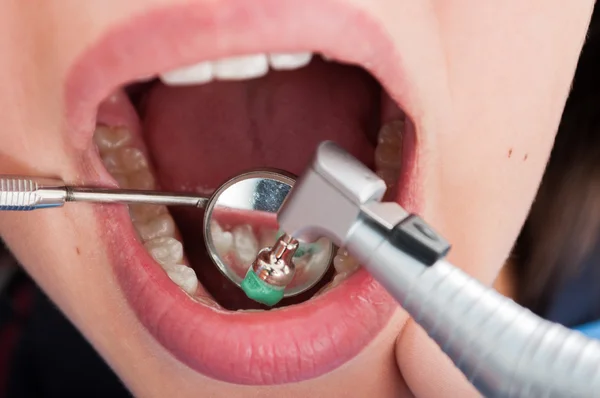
{"points": [[287, 345]]}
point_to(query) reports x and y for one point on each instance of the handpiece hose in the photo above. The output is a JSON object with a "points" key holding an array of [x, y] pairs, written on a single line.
{"points": [[502, 348]]}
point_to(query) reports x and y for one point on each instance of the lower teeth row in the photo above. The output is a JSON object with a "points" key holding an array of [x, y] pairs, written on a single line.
{"points": [[127, 163]]}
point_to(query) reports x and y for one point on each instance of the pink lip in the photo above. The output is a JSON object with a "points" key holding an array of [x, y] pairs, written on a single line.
{"points": [[287, 345]]}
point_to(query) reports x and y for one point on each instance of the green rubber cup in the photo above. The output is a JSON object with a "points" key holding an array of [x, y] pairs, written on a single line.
{"points": [[260, 291]]}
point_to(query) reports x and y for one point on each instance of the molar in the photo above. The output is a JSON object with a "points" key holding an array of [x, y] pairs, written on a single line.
{"points": [[161, 226], [108, 139], [165, 250], [183, 276]]}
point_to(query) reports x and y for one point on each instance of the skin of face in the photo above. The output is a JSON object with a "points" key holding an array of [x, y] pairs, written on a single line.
{"points": [[493, 78]]}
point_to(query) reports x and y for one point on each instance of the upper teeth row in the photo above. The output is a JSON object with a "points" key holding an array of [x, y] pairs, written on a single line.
{"points": [[235, 68]]}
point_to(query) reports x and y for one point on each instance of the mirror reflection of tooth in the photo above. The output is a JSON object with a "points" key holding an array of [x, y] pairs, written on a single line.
{"points": [[222, 240], [245, 243], [165, 250], [107, 139], [163, 225]]}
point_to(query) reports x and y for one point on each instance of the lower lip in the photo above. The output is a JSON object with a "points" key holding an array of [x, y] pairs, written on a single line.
{"points": [[279, 346]]}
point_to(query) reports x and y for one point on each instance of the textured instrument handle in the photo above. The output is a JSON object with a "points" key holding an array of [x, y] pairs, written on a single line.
{"points": [[21, 193], [502, 348]]}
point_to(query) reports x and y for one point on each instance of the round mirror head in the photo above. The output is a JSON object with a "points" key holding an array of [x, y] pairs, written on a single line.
{"points": [[241, 219]]}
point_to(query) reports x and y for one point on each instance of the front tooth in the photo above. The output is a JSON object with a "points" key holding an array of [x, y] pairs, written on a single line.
{"points": [[165, 250], [183, 276], [163, 225], [195, 74], [245, 243], [289, 61], [244, 67]]}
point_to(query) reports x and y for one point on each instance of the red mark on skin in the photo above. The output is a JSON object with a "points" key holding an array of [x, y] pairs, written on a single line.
{"points": [[525, 157], [510, 152], [78, 251]]}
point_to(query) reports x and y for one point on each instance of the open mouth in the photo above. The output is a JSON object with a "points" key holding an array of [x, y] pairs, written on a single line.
{"points": [[189, 129]]}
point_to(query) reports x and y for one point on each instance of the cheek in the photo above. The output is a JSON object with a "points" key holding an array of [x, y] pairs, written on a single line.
{"points": [[417, 355], [508, 89], [486, 182]]}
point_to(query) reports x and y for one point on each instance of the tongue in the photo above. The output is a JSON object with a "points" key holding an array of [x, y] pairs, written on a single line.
{"points": [[199, 136]]}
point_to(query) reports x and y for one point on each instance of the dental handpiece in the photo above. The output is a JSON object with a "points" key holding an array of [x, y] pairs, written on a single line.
{"points": [[27, 193], [503, 349]]}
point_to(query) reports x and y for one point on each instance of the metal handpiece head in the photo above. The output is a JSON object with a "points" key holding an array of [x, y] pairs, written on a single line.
{"points": [[271, 272], [22, 193], [327, 199]]}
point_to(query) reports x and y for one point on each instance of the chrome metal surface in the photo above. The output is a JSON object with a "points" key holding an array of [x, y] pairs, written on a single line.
{"points": [[275, 265], [132, 196]]}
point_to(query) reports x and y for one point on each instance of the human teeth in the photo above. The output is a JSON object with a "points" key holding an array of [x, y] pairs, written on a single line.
{"points": [[223, 240], [163, 225], [235, 68], [390, 176], [121, 180], [245, 244], [388, 155], [132, 159], [239, 68], [183, 276], [108, 139], [112, 162], [144, 213], [124, 160], [142, 179], [344, 262], [289, 61], [391, 133], [165, 250], [195, 74]]}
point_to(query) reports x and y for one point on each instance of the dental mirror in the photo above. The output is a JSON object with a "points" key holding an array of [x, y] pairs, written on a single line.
{"points": [[241, 218]]}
